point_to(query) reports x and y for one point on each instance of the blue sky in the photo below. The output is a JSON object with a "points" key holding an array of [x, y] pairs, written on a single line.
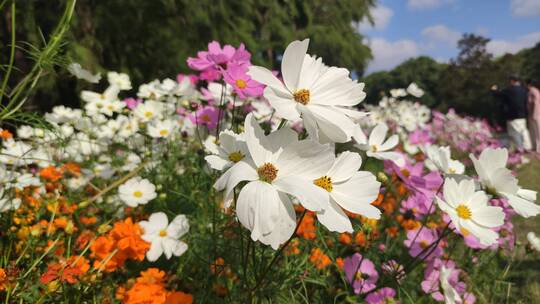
{"points": [[410, 28]]}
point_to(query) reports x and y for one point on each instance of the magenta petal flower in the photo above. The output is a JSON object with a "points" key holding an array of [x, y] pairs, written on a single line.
{"points": [[236, 75], [132, 103], [211, 62], [205, 116], [418, 240], [361, 273], [382, 296]]}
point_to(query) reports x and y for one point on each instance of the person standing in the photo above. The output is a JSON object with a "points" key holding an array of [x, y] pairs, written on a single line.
{"points": [[534, 113], [515, 99]]}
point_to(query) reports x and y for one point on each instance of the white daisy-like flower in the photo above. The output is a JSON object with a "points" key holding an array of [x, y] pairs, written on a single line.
{"points": [[97, 103], [77, 70], [8, 202], [149, 110], [232, 148], [396, 93], [322, 96], [414, 90], [441, 159], [378, 147], [162, 128], [497, 179], [469, 210], [62, 114], [349, 189], [164, 237], [137, 191], [279, 166], [120, 80], [451, 296], [534, 241]]}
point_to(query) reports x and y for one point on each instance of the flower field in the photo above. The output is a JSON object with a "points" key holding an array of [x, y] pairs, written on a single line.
{"points": [[239, 184]]}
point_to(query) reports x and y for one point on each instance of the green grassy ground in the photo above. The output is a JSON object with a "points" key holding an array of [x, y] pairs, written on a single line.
{"points": [[524, 273]]}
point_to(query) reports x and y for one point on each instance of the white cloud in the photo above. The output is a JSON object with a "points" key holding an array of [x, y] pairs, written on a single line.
{"points": [[499, 47], [381, 17], [388, 54], [440, 33], [427, 4], [525, 8]]}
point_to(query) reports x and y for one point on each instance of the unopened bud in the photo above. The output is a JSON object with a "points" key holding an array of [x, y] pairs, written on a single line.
{"points": [[381, 177]]}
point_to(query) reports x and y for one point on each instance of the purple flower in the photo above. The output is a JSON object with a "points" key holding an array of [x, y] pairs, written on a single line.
{"points": [[236, 75], [381, 296], [361, 273], [206, 116], [431, 283], [418, 204], [420, 239], [413, 178], [132, 103], [216, 58]]}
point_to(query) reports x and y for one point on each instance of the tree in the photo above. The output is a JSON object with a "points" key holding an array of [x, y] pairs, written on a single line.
{"points": [[422, 70], [152, 39]]}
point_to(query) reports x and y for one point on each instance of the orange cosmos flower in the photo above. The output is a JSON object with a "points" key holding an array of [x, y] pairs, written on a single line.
{"points": [[319, 259], [178, 297], [51, 173], [69, 271], [307, 229], [5, 134]]}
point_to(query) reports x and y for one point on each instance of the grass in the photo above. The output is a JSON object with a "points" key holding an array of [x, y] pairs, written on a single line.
{"points": [[524, 273]]}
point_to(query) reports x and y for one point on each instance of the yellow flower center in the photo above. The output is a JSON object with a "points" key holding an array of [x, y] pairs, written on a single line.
{"points": [[164, 132], [451, 170], [110, 107], [405, 172], [205, 118], [241, 84], [99, 105], [236, 156], [324, 182], [267, 172], [423, 244], [137, 194], [301, 96], [374, 148], [163, 233], [463, 212], [148, 114]]}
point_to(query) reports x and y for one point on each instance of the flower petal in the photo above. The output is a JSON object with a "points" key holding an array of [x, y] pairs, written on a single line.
{"points": [[291, 64]]}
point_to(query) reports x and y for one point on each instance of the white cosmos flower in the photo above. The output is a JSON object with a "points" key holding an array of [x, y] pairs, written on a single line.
{"points": [[451, 296], [280, 165], [440, 157], [162, 128], [232, 148], [148, 110], [77, 70], [7, 202], [377, 147], [349, 189], [469, 210], [398, 93], [137, 191], [414, 90], [97, 103], [164, 237], [533, 240], [120, 80], [322, 96], [497, 179], [62, 114]]}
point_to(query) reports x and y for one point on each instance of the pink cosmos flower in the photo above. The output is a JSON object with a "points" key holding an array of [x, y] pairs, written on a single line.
{"points": [[192, 78], [418, 204], [205, 116], [236, 75], [210, 62], [132, 103], [431, 283], [382, 296], [414, 179], [418, 240], [361, 273]]}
